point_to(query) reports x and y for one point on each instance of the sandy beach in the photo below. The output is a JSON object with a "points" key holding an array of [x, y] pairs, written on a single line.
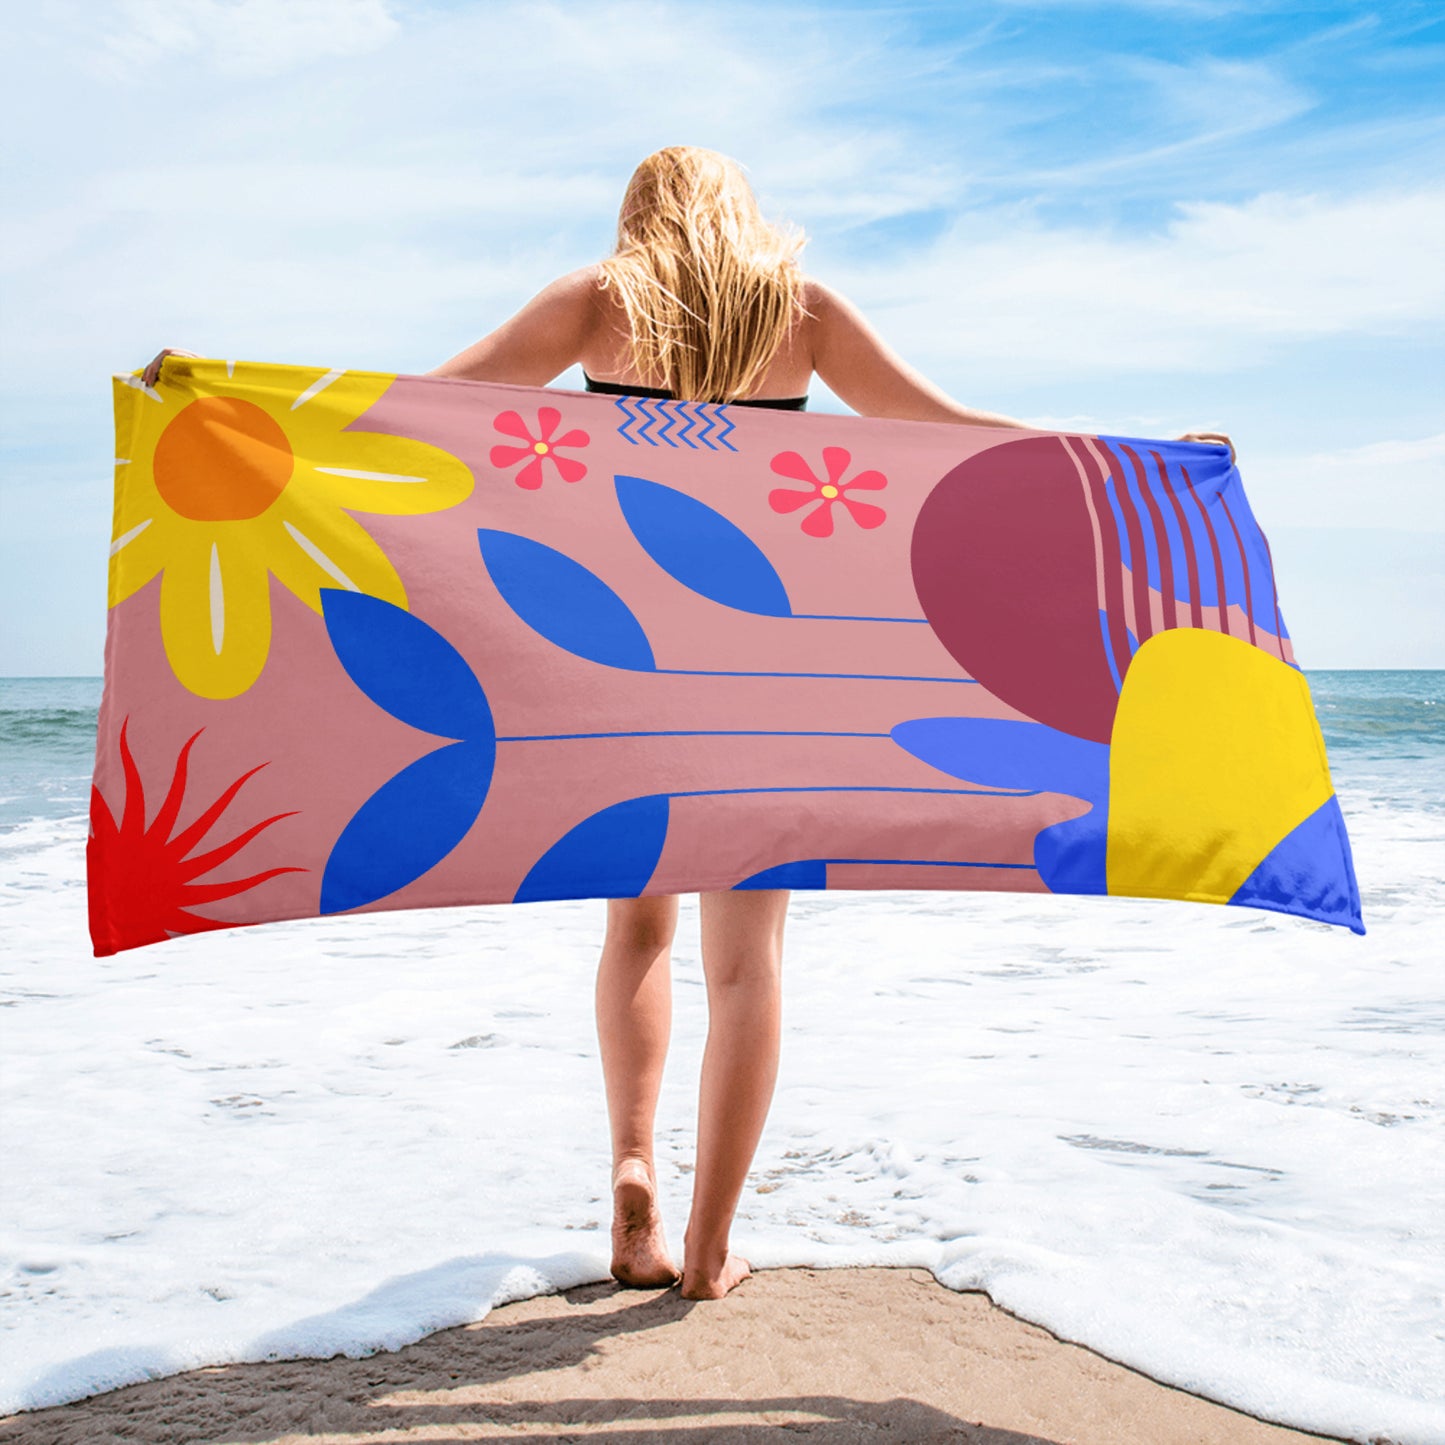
{"points": [[833, 1355]]}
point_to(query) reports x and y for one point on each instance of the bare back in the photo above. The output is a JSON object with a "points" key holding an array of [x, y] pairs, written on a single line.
{"points": [[605, 353]]}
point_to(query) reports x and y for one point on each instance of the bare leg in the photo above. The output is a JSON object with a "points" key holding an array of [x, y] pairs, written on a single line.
{"points": [[742, 951], [634, 1022]]}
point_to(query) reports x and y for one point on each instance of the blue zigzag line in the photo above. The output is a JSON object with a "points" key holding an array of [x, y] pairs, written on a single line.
{"points": [[727, 427], [626, 410], [710, 429]]}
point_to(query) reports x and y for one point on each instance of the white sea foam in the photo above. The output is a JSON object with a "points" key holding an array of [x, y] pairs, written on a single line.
{"points": [[1206, 1142]]}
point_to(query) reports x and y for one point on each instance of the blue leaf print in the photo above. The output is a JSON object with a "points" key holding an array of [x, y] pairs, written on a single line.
{"points": [[1071, 855], [700, 548], [565, 602], [405, 667], [1002, 753], [612, 854], [809, 873], [408, 825]]}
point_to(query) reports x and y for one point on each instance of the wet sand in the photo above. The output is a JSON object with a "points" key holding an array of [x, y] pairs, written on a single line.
{"points": [[826, 1354]]}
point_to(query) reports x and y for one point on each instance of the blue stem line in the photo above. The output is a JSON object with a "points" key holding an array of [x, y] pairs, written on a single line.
{"points": [[690, 733], [849, 617], [861, 788], [931, 863], [869, 676]]}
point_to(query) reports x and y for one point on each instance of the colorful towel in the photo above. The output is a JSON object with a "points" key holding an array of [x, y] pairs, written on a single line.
{"points": [[384, 642]]}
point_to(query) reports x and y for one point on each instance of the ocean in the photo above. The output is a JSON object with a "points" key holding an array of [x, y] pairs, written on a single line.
{"points": [[1206, 1142]]}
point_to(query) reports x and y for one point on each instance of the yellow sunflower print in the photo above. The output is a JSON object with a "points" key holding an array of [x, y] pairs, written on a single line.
{"points": [[232, 472]]}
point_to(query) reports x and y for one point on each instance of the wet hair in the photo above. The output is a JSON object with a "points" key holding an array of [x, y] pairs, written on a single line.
{"points": [[710, 288]]}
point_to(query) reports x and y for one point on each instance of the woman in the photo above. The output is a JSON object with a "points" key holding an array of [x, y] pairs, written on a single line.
{"points": [[701, 300]]}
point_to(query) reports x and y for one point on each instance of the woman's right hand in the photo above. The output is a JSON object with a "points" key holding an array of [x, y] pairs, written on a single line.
{"points": [[153, 368]]}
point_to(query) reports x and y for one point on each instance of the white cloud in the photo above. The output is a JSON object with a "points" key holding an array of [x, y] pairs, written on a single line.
{"points": [[236, 37], [1204, 8], [1367, 598], [1189, 107], [1223, 285], [1218, 97], [1380, 484]]}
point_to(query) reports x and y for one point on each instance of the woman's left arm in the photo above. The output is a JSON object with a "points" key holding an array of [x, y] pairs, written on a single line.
{"points": [[540, 342]]}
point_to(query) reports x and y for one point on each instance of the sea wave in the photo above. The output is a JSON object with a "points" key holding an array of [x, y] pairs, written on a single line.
{"points": [[47, 725], [1396, 716]]}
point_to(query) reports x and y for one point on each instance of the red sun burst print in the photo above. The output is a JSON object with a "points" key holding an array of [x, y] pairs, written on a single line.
{"points": [[142, 879]]}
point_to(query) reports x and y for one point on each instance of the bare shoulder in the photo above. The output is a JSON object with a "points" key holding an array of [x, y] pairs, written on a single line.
{"points": [[583, 286], [821, 299], [573, 304], [581, 279], [836, 327], [830, 314]]}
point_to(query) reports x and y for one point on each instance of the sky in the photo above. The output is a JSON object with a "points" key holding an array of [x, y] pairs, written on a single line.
{"points": [[1132, 218]]}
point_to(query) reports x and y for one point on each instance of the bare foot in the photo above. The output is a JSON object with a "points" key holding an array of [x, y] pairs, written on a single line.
{"points": [[639, 1250], [715, 1283]]}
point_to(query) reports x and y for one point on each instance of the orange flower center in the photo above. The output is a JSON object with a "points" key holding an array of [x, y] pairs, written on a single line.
{"points": [[540, 448], [222, 460], [830, 490]]}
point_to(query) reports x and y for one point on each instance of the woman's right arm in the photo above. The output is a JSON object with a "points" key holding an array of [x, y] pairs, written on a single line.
{"points": [[864, 372]]}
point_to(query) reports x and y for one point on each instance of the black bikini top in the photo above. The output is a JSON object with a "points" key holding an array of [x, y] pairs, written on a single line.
{"points": [[612, 388]]}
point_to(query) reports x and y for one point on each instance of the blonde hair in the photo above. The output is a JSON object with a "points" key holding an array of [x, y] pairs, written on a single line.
{"points": [[709, 287]]}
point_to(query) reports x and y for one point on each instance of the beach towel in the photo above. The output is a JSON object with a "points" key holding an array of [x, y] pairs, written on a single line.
{"points": [[384, 642]]}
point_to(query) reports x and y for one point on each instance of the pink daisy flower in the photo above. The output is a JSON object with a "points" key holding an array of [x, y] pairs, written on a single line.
{"points": [[819, 522], [538, 448]]}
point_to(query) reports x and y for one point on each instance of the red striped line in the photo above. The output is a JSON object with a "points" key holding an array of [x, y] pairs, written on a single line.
{"points": [[1112, 562], [1186, 540], [1161, 540], [1139, 571], [1244, 563], [1100, 602], [1274, 589], [1214, 548], [1124, 609]]}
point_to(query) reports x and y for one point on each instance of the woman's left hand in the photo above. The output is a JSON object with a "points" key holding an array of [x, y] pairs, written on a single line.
{"points": [[1209, 436]]}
